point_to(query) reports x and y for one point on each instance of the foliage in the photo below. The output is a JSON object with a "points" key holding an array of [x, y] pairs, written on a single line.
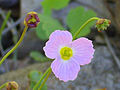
{"points": [[37, 56], [49, 5], [34, 77], [4, 22], [77, 17], [47, 26]]}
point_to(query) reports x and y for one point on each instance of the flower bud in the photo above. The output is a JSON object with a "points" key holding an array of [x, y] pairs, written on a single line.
{"points": [[12, 85], [102, 89], [31, 20], [102, 24]]}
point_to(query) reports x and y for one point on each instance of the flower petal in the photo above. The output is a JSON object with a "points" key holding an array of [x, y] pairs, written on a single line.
{"points": [[65, 70], [83, 50], [57, 39]]}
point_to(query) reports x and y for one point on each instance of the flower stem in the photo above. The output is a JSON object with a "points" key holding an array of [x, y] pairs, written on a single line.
{"points": [[79, 30], [2, 86], [39, 82], [18, 43], [49, 72]]}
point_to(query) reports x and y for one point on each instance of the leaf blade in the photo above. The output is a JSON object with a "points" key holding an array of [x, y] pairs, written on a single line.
{"points": [[77, 17]]}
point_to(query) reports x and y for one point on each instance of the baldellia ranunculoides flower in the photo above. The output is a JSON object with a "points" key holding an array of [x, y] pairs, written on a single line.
{"points": [[102, 24], [68, 54], [32, 19], [12, 85]]}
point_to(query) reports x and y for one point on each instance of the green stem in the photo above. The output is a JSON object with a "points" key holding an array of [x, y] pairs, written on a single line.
{"points": [[78, 31], [2, 86], [39, 82], [45, 79], [18, 43], [4, 23]]}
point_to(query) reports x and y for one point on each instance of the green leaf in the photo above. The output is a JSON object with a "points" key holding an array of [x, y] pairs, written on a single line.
{"points": [[4, 22], [47, 26], [49, 5], [77, 17], [37, 56], [34, 77]]}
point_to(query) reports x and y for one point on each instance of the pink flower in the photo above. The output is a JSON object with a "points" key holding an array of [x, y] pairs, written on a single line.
{"points": [[68, 54]]}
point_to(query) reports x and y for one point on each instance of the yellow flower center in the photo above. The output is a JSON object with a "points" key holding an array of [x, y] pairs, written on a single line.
{"points": [[66, 53]]}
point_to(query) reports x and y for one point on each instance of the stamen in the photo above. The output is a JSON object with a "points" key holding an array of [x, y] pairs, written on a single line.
{"points": [[66, 53]]}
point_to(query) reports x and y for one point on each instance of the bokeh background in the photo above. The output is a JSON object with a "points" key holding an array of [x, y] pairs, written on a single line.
{"points": [[26, 64]]}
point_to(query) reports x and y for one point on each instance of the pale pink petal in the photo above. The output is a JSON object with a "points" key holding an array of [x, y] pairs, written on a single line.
{"points": [[57, 39], [65, 70], [83, 50]]}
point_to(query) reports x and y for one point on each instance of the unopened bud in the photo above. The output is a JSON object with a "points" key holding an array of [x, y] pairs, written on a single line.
{"points": [[102, 89], [102, 24], [31, 20], [12, 85]]}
